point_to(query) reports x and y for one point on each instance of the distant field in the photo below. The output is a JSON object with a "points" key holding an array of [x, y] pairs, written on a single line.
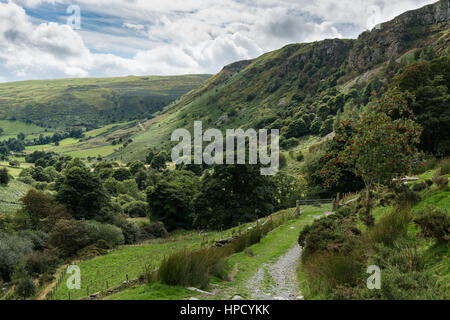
{"points": [[16, 127], [69, 102], [12, 128], [10, 196]]}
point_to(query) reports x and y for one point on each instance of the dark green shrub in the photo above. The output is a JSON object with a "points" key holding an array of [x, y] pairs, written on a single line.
{"points": [[136, 209], [300, 157], [12, 249], [37, 237], [333, 233], [419, 186], [130, 233], [38, 263], [26, 287], [102, 231], [434, 223], [152, 230], [288, 143], [69, 236]]}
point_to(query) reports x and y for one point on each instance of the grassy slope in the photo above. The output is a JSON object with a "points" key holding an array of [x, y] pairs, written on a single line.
{"points": [[225, 92], [271, 83], [71, 101], [436, 256]]}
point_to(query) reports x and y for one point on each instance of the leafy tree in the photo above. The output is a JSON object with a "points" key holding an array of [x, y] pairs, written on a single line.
{"points": [[82, 192], [136, 166], [4, 176], [121, 174], [327, 127], [38, 206], [159, 161], [12, 249], [316, 124], [69, 236], [145, 178], [381, 148], [429, 82], [26, 287], [296, 129], [170, 199], [231, 194], [39, 174], [150, 156], [136, 209]]}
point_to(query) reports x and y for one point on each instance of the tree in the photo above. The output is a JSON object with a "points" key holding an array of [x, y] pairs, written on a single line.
{"points": [[38, 206], [159, 161], [136, 166], [149, 158], [296, 129], [82, 192], [233, 194], [4, 176], [12, 249], [26, 287], [327, 127], [429, 83], [121, 174], [381, 148], [69, 236], [39, 174], [169, 200]]}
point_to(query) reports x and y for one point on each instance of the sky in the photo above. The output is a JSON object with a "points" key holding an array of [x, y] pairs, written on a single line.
{"points": [[48, 39]]}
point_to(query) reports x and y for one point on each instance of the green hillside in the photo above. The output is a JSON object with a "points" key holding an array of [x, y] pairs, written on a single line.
{"points": [[302, 88], [91, 102]]}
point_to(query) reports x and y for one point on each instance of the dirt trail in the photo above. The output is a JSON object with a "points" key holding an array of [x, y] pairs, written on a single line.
{"points": [[281, 282]]}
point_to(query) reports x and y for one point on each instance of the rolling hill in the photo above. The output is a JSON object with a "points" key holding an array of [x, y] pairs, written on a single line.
{"points": [[91, 102]]}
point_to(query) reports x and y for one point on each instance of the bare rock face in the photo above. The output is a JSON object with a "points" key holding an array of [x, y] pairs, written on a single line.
{"points": [[398, 35]]}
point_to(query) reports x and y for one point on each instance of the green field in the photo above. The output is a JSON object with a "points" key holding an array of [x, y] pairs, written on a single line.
{"points": [[10, 196], [96, 101]]}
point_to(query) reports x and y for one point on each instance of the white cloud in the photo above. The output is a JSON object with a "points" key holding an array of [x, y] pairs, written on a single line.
{"points": [[173, 37]]}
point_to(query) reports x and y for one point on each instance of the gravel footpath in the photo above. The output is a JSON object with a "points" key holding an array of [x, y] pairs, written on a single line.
{"points": [[283, 273]]}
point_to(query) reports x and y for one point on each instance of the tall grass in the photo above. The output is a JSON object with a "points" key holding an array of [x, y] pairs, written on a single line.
{"points": [[391, 226], [444, 164], [328, 270], [186, 268]]}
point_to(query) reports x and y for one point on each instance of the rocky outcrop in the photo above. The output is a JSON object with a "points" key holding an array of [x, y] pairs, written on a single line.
{"points": [[395, 37], [236, 67]]}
